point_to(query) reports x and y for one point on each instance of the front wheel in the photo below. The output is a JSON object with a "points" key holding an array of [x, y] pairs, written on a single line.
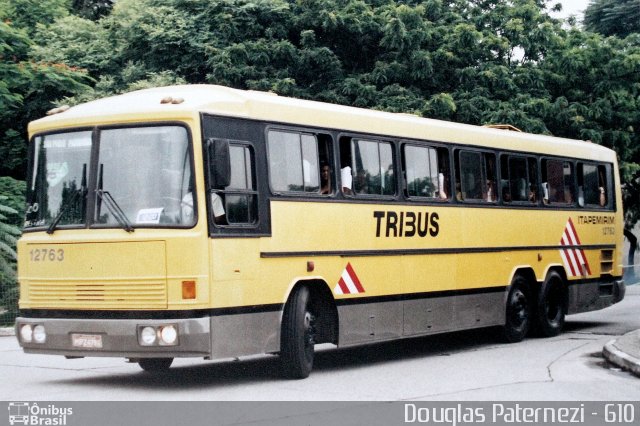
{"points": [[518, 312], [551, 306], [155, 365], [298, 334]]}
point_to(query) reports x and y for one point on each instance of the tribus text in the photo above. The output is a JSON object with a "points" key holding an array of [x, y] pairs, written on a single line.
{"points": [[406, 224]]}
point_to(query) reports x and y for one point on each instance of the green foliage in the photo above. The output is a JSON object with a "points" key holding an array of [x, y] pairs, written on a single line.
{"points": [[9, 234], [478, 61], [613, 17], [27, 14], [631, 192], [14, 45], [12, 203], [28, 88], [14, 192], [441, 106], [75, 42], [92, 9]]}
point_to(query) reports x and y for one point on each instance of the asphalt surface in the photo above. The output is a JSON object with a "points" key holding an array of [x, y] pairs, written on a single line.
{"points": [[623, 351]]}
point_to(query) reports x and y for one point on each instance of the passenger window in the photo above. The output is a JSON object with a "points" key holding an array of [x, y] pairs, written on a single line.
{"points": [[373, 168], [237, 203], [346, 172], [592, 185], [557, 182], [519, 179], [293, 162], [327, 172], [426, 171], [242, 197], [476, 176]]}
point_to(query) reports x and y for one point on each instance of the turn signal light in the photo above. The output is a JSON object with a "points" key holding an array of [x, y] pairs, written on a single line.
{"points": [[188, 290]]}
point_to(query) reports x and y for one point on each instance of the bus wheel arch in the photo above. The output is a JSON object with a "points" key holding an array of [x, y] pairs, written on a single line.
{"points": [[552, 303], [309, 317], [529, 275]]}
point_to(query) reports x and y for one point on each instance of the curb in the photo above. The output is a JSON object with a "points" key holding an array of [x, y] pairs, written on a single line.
{"points": [[7, 331], [622, 359]]}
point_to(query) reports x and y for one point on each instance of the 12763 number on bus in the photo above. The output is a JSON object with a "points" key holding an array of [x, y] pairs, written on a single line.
{"points": [[46, 255]]}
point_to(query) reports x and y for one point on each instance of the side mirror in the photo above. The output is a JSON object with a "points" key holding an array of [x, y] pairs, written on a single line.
{"points": [[219, 163]]}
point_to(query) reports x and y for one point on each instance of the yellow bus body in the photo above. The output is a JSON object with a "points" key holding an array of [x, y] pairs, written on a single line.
{"points": [[109, 283]]}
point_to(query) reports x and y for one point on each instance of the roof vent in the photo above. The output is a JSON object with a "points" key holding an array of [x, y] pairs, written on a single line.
{"points": [[503, 127], [262, 92], [58, 110], [170, 100]]}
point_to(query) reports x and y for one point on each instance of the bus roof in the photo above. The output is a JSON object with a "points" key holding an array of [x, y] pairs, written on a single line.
{"points": [[175, 103]]}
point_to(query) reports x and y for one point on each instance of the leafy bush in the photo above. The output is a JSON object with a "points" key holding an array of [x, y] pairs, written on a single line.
{"points": [[11, 216]]}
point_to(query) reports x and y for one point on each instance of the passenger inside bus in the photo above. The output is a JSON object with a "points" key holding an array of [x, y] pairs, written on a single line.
{"points": [[361, 182], [568, 196], [490, 195], [217, 206], [346, 178], [506, 195], [325, 178], [533, 197], [442, 192], [602, 184]]}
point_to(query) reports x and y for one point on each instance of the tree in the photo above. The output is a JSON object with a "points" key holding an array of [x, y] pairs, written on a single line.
{"points": [[8, 237], [27, 14], [92, 9], [470, 61], [11, 219], [28, 88], [613, 17]]}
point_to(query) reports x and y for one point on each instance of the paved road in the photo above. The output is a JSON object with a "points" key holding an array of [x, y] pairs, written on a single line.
{"points": [[461, 366]]}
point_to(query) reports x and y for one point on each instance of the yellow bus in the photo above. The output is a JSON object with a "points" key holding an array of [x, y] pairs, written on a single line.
{"points": [[204, 221]]}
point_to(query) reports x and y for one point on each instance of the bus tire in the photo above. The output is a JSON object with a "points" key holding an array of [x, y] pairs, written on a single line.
{"points": [[551, 308], [518, 311], [298, 333], [155, 365]]}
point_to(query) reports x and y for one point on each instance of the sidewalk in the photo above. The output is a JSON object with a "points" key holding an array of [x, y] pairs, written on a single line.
{"points": [[625, 352]]}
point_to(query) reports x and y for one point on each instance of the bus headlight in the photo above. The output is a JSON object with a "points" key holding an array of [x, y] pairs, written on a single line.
{"points": [[168, 335], [39, 334], [163, 335], [26, 333], [148, 336]]}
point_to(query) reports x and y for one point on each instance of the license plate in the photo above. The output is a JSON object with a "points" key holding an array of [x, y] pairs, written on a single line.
{"points": [[87, 341]]}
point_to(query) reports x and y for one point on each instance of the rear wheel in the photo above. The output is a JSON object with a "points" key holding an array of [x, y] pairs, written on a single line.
{"points": [[551, 306], [298, 335], [518, 315], [155, 365]]}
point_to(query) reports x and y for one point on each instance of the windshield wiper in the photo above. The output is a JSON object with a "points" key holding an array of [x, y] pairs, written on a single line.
{"points": [[115, 209], [70, 201]]}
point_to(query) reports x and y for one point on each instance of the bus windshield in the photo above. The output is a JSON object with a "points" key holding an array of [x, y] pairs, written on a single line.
{"points": [[142, 175]]}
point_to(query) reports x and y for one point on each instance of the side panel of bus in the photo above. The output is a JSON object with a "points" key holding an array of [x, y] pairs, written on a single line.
{"points": [[386, 279]]}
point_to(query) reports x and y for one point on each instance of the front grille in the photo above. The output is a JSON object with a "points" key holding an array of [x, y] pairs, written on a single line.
{"points": [[143, 293]]}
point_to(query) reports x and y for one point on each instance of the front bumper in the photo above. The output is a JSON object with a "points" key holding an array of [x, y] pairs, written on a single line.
{"points": [[118, 337]]}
